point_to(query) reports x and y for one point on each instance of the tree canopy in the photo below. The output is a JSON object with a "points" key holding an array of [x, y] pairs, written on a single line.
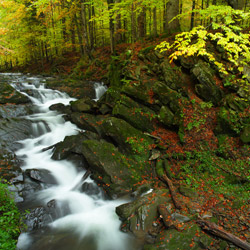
{"points": [[33, 31]]}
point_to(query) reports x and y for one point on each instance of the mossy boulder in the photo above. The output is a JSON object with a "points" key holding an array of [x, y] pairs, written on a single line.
{"points": [[167, 117], [171, 76], [190, 238], [9, 95], [141, 92], [206, 88], [119, 131], [84, 105], [165, 94], [141, 214], [72, 145], [134, 113], [245, 135], [87, 121], [108, 166]]}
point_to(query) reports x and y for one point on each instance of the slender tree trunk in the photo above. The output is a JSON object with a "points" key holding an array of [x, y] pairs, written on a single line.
{"points": [[141, 23], [111, 26], [118, 26], [79, 35], [133, 24], [155, 21], [192, 15]]}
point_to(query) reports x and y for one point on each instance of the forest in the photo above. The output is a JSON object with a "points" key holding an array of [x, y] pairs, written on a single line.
{"points": [[42, 31]]}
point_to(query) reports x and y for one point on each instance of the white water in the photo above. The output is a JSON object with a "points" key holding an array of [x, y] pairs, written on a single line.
{"points": [[100, 89], [89, 216]]}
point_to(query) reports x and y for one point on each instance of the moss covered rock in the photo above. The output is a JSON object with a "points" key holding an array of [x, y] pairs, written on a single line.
{"points": [[9, 95], [119, 131], [108, 166], [141, 214], [206, 88], [87, 121], [245, 135], [134, 113], [84, 105], [190, 238]]}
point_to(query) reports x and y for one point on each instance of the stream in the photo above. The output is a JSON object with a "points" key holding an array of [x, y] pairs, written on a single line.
{"points": [[67, 216]]}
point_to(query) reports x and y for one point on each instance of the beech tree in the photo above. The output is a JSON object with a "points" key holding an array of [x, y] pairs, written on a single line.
{"points": [[43, 30]]}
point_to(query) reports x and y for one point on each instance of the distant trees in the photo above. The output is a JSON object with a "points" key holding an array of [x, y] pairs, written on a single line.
{"points": [[42, 30]]}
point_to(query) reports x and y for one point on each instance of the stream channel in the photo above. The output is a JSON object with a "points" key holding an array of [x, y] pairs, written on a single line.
{"points": [[75, 218]]}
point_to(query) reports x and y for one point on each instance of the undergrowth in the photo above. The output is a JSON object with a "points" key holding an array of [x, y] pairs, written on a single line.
{"points": [[10, 219]]}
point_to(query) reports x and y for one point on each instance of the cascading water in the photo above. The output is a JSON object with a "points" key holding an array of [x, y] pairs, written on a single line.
{"points": [[82, 221], [100, 89]]}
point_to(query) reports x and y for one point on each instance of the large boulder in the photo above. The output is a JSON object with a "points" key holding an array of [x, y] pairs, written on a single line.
{"points": [[87, 121], [84, 105], [206, 88], [141, 214], [9, 95], [245, 135], [72, 145], [134, 113], [108, 166], [171, 77], [119, 131]]}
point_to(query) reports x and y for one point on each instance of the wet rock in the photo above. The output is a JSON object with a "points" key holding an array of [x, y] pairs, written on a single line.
{"points": [[13, 130], [71, 146], [206, 88], [90, 188], [9, 95], [61, 108], [41, 175], [84, 105], [141, 214], [108, 166], [13, 111]]}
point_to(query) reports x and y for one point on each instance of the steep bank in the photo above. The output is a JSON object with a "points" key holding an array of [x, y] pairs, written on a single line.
{"points": [[181, 120]]}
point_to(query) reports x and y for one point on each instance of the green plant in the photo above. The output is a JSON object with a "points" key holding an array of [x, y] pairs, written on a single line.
{"points": [[10, 220], [225, 34]]}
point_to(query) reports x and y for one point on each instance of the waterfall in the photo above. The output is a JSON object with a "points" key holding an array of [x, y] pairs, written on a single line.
{"points": [[83, 221], [100, 89]]}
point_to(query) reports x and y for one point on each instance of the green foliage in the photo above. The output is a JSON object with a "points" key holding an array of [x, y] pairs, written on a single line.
{"points": [[226, 35], [138, 145], [9, 220]]}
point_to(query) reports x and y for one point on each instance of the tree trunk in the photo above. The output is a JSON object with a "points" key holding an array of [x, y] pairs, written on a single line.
{"points": [[220, 232], [111, 26], [192, 15], [155, 21], [133, 24], [141, 23], [172, 10]]}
